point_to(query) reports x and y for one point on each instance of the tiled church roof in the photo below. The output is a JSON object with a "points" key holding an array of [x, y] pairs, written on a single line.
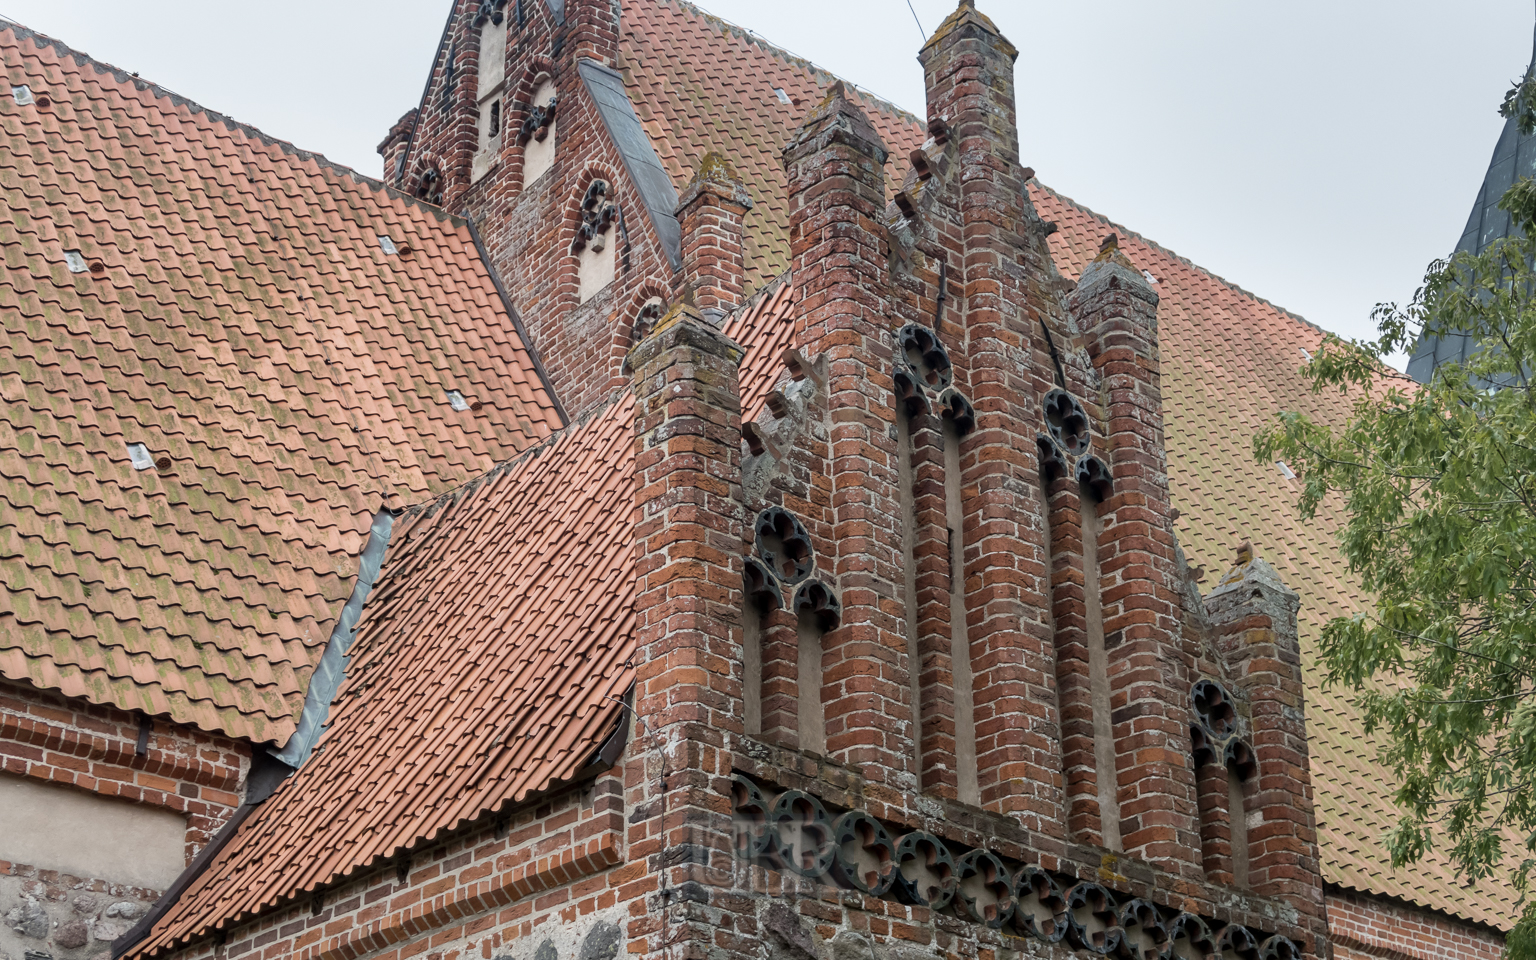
{"points": [[236, 315], [490, 664], [505, 609]]}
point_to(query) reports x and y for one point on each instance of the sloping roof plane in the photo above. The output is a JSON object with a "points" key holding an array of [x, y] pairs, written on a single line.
{"points": [[490, 664], [507, 606], [235, 314]]}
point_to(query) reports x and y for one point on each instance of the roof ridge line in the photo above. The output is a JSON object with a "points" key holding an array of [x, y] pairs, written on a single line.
{"points": [[794, 59], [1389, 372], [22, 31], [1177, 256]]}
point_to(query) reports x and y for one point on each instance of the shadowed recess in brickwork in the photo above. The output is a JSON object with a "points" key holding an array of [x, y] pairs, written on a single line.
{"points": [[489, 665], [1229, 362], [199, 423]]}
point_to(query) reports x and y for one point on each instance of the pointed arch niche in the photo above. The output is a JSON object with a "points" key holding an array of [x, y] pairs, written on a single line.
{"points": [[931, 419], [536, 132], [595, 240], [492, 27], [1073, 485]]}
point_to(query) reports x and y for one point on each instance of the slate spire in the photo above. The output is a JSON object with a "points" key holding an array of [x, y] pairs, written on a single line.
{"points": [[1514, 156]]}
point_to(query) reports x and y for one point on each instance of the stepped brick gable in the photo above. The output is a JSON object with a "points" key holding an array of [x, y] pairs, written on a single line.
{"points": [[688, 508]]}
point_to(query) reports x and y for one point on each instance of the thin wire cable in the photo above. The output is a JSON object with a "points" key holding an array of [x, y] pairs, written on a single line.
{"points": [[917, 21]]}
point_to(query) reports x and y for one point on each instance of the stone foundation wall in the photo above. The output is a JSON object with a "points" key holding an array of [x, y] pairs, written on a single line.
{"points": [[49, 915]]}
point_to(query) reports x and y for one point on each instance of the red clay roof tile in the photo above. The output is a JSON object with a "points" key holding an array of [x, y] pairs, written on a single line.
{"points": [[246, 326], [488, 666]]}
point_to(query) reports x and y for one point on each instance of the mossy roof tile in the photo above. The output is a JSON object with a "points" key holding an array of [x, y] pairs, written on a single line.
{"points": [[246, 326]]}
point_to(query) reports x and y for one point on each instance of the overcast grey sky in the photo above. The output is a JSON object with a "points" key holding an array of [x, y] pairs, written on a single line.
{"points": [[1317, 152]]}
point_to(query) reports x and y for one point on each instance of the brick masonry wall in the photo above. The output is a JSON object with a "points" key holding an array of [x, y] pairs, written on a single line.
{"points": [[1363, 926], [71, 743], [504, 882]]}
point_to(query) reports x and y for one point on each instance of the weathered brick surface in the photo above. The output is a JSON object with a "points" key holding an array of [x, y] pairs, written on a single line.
{"points": [[478, 890], [962, 253], [1149, 675], [1254, 618], [94, 749], [1363, 926], [836, 194], [529, 228]]}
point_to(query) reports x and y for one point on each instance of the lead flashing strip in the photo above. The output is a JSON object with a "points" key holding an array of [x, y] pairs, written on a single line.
{"points": [[332, 668]]}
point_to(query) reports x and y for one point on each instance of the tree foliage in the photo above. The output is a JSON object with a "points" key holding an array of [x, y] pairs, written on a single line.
{"points": [[1438, 486]]}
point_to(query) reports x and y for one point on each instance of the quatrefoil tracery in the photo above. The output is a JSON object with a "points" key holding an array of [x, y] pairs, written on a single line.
{"points": [[536, 123], [924, 378], [785, 557], [597, 215], [924, 356], [1066, 421], [489, 10], [795, 832], [784, 545], [1214, 734]]}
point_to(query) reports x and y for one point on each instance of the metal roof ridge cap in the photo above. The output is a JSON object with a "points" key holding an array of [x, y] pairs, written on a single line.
{"points": [[332, 668], [517, 320]]}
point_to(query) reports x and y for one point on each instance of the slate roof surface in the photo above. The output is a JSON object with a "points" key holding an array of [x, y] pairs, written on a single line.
{"points": [[246, 325], [1230, 362], [489, 665]]}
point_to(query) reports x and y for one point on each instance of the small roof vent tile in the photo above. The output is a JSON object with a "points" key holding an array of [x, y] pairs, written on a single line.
{"points": [[140, 456]]}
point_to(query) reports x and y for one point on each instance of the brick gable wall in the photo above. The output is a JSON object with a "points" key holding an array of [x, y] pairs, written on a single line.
{"points": [[970, 722], [528, 228]]}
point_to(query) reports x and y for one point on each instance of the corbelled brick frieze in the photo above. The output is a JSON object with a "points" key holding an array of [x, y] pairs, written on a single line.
{"points": [[793, 831]]}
